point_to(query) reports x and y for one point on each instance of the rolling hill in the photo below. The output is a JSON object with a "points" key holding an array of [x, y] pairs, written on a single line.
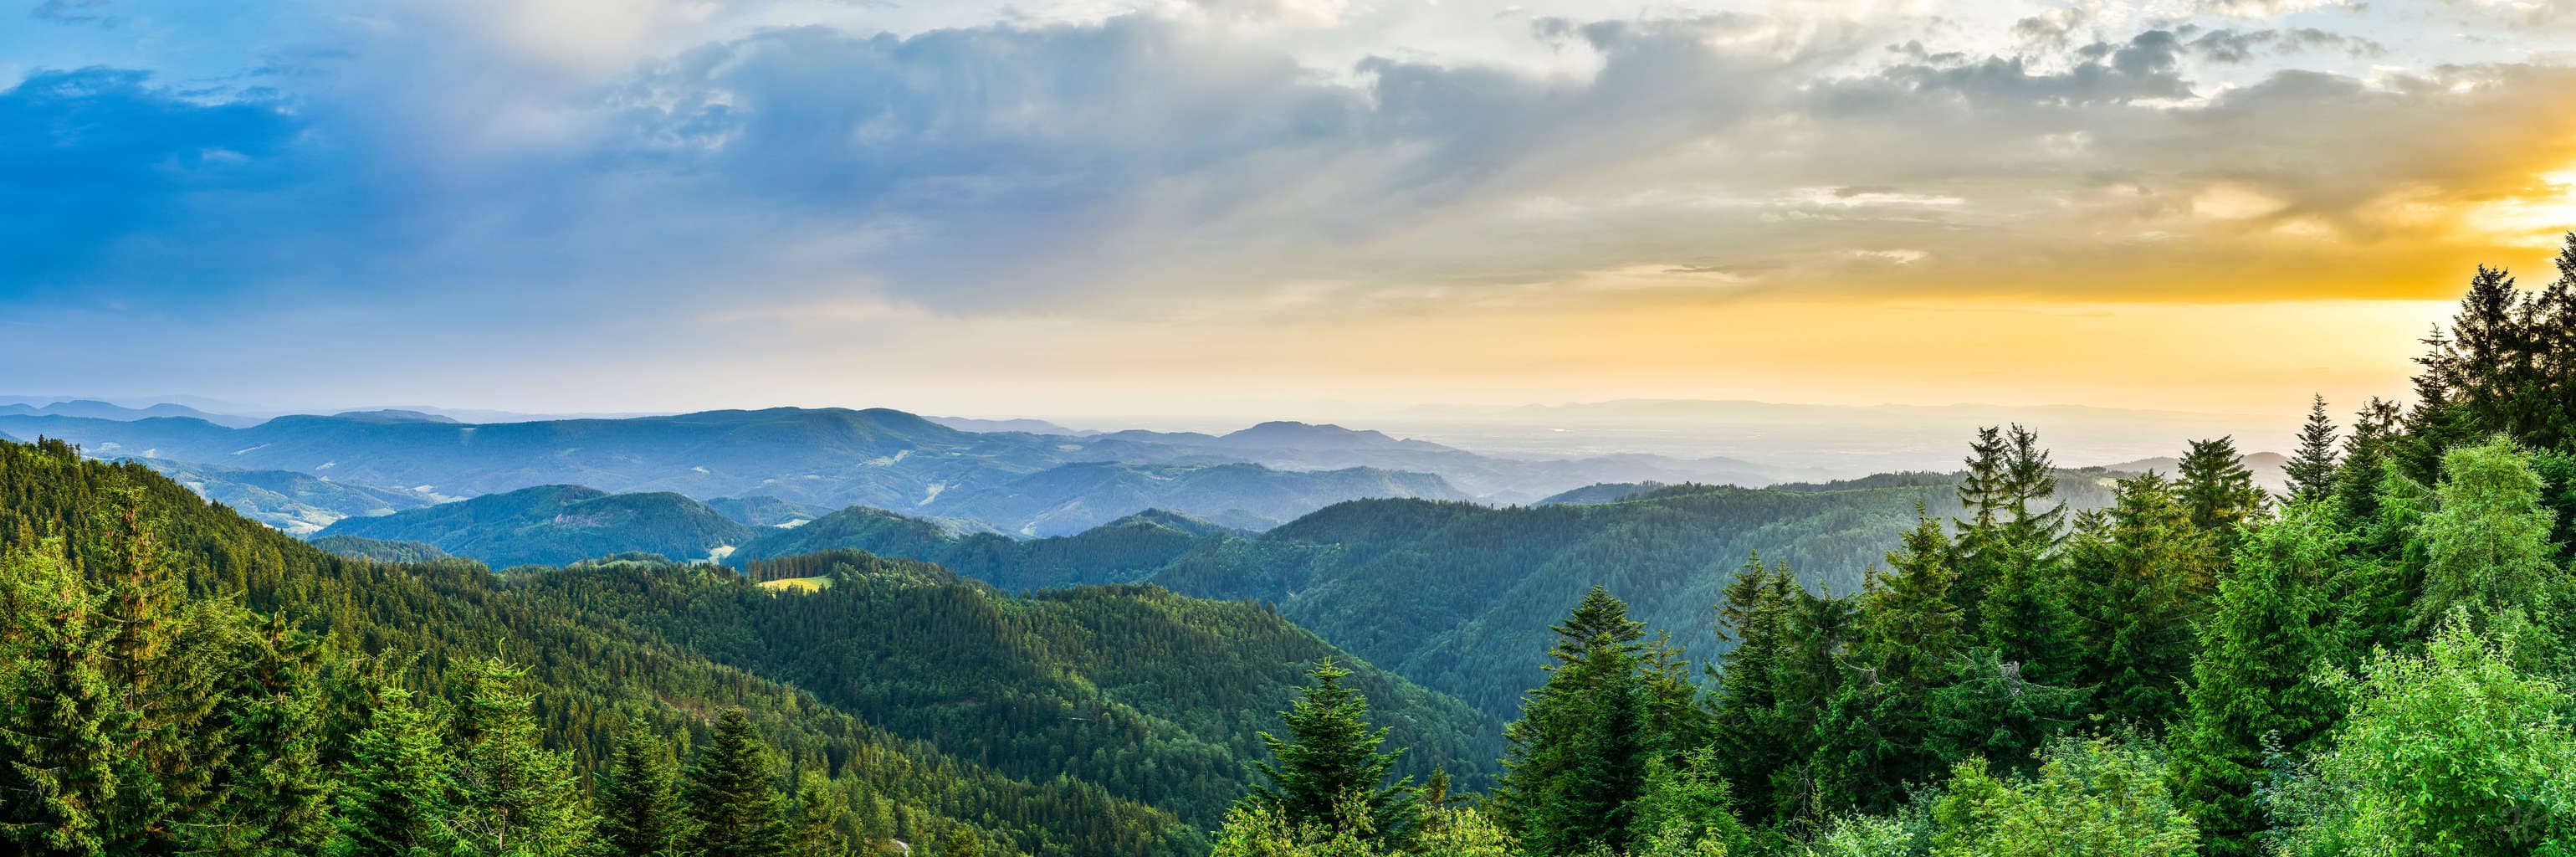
{"points": [[1085, 723], [1459, 596], [558, 524]]}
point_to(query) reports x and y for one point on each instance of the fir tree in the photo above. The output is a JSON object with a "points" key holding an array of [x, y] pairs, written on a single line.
{"points": [[1332, 756], [1746, 724], [733, 795], [513, 797], [59, 771], [2216, 489], [2273, 629], [397, 797], [639, 801], [2311, 471]]}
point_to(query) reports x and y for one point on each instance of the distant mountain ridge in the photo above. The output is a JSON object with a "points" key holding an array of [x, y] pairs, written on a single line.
{"points": [[1017, 482]]}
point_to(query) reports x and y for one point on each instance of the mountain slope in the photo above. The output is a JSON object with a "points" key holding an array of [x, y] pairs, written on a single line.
{"points": [[1458, 596], [558, 524], [290, 501], [1076, 497], [1100, 683], [594, 675], [1121, 551], [766, 511]]}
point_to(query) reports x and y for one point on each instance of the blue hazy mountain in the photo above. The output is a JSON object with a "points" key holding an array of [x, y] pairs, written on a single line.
{"points": [[558, 524], [1023, 483]]}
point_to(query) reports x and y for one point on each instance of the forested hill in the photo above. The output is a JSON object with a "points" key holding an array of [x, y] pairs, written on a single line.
{"points": [[1122, 551], [557, 524], [1458, 596], [663, 648], [1156, 696]]}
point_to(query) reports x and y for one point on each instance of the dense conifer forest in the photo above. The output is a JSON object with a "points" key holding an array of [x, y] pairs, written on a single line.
{"points": [[2377, 661]]}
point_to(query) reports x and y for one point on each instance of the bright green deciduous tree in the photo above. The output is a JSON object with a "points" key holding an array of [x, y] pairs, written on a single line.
{"points": [[2486, 540], [2454, 753], [2092, 797]]}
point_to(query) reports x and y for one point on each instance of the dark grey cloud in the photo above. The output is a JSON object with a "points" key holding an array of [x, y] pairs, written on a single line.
{"points": [[2240, 46]]}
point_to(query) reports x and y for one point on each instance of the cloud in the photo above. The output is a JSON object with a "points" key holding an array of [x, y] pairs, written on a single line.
{"points": [[105, 155], [2241, 46], [75, 12], [2267, 8]]}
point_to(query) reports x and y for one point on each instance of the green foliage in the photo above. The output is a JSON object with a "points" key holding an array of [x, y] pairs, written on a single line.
{"points": [[639, 799], [2486, 540], [2141, 576], [2312, 469], [1331, 757], [514, 798], [397, 801], [2274, 628], [734, 806], [2091, 797], [1579, 755], [2455, 753]]}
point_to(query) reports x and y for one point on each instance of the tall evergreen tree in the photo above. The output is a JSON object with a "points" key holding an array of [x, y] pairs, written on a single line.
{"points": [[275, 791], [639, 801], [397, 798], [1746, 724], [2140, 574], [818, 809], [2216, 489], [1567, 781], [1910, 640], [2312, 470], [733, 794], [2273, 629], [163, 655], [513, 797], [58, 753], [1331, 761]]}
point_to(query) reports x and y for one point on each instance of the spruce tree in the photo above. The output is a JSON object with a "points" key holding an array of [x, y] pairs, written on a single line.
{"points": [[1332, 761], [1558, 784], [2139, 578], [1745, 726], [59, 771], [2216, 489], [733, 795], [639, 801], [1910, 640], [2273, 630], [2312, 470], [818, 809], [274, 791], [513, 797], [163, 655], [396, 799]]}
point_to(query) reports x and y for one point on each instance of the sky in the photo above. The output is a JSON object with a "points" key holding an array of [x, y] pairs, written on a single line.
{"points": [[1260, 208]]}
